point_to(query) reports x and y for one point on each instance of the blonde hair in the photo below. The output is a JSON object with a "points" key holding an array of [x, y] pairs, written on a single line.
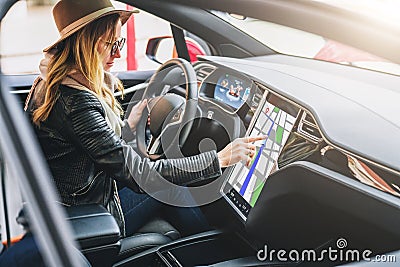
{"points": [[78, 52]]}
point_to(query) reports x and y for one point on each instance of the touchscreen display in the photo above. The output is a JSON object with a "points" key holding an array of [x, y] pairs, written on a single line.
{"points": [[275, 120], [231, 90]]}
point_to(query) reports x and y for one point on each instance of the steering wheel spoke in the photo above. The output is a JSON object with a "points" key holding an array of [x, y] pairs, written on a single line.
{"points": [[171, 115], [154, 146]]}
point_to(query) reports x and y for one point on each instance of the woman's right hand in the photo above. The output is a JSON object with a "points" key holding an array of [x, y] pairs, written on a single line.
{"points": [[241, 149]]}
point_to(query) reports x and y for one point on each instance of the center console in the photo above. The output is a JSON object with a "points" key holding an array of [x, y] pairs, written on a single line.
{"points": [[206, 249], [96, 232]]}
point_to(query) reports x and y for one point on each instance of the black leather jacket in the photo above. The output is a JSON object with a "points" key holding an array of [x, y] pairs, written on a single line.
{"points": [[85, 156]]}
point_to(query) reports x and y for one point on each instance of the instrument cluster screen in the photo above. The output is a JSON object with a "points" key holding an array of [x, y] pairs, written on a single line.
{"points": [[232, 90]]}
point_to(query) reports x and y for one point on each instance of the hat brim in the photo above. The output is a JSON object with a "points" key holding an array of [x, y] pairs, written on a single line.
{"points": [[124, 16]]}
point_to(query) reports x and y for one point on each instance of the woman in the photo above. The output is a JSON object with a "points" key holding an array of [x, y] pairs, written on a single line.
{"points": [[77, 120]]}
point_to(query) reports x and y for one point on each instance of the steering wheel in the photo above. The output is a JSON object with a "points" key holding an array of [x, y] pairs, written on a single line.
{"points": [[170, 116]]}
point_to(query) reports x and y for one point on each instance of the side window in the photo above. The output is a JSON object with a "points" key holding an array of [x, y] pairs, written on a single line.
{"points": [[29, 27], [148, 26]]}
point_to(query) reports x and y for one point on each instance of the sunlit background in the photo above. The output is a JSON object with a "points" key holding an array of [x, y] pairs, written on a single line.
{"points": [[29, 27], [385, 10]]}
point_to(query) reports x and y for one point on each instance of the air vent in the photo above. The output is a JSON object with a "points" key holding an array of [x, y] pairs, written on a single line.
{"points": [[308, 128]]}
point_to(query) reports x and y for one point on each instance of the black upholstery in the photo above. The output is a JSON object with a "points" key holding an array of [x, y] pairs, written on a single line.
{"points": [[93, 225], [155, 233], [97, 233], [158, 225], [99, 237], [132, 245]]}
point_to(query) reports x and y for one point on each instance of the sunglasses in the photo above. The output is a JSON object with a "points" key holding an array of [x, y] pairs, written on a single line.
{"points": [[119, 44]]}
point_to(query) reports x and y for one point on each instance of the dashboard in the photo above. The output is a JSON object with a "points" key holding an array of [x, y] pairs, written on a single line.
{"points": [[320, 170], [294, 135], [262, 112]]}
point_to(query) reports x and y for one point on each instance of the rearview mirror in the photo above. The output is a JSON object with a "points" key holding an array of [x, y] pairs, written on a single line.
{"points": [[160, 49]]}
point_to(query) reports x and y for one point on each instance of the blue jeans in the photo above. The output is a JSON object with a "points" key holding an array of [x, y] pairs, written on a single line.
{"points": [[23, 253], [138, 209]]}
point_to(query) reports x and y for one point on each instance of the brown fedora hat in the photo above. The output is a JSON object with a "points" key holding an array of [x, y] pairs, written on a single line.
{"points": [[72, 15]]}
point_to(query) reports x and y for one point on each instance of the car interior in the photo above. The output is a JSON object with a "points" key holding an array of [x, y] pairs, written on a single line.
{"points": [[327, 176]]}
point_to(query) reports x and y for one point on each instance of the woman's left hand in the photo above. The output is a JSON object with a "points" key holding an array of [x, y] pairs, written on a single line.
{"points": [[135, 114]]}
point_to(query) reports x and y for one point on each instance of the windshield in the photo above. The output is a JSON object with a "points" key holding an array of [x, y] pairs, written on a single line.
{"points": [[385, 10], [290, 41]]}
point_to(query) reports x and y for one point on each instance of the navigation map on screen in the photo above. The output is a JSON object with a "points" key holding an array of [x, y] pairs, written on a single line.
{"points": [[249, 180]]}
